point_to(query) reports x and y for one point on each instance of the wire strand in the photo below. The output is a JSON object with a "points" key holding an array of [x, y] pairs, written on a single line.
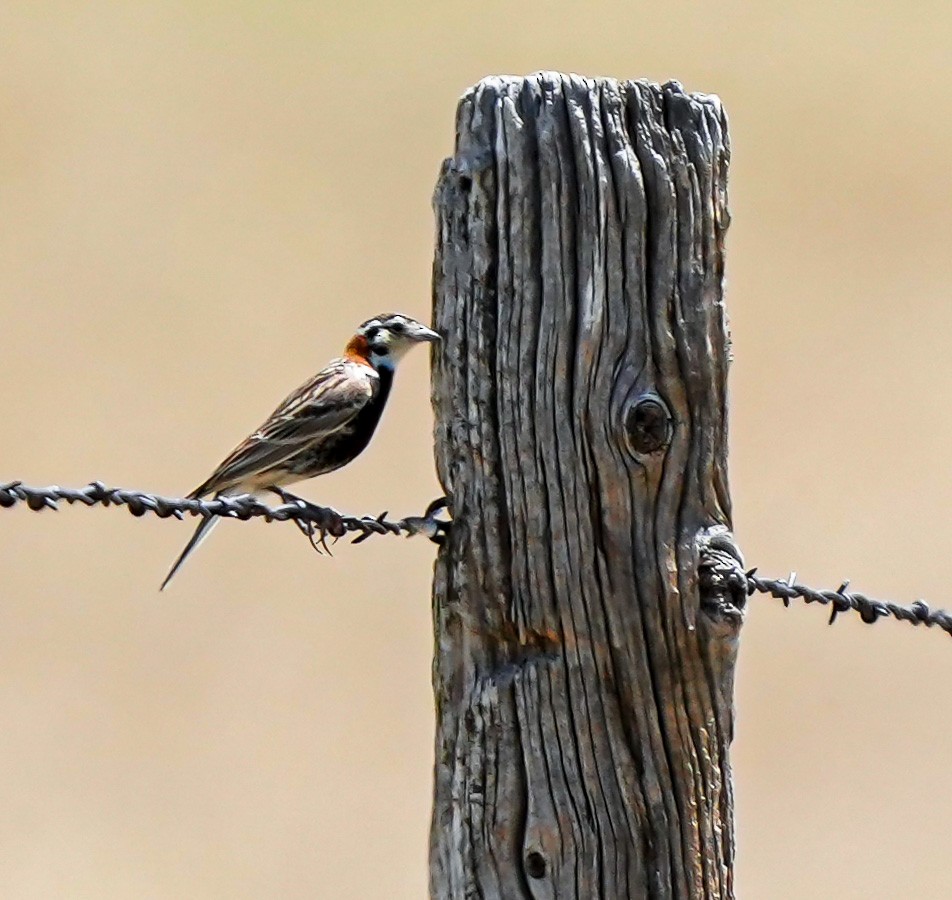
{"points": [[843, 600], [322, 522]]}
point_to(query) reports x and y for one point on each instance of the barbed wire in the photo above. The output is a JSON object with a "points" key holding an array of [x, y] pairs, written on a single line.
{"points": [[317, 522], [843, 600], [321, 522]]}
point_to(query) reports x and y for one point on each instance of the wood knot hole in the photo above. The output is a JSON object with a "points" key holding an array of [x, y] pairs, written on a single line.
{"points": [[648, 424], [465, 183], [535, 864]]}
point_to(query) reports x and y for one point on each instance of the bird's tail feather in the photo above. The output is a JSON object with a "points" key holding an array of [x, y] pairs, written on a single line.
{"points": [[204, 529]]}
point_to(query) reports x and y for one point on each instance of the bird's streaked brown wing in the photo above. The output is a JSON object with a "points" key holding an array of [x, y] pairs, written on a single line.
{"points": [[319, 407]]}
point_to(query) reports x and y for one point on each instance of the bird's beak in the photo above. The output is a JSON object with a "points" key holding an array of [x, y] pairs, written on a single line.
{"points": [[422, 333]]}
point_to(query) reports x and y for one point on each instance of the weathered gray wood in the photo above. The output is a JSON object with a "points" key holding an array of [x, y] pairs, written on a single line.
{"points": [[585, 639]]}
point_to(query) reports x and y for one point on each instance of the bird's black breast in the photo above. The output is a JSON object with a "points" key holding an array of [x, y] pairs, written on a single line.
{"points": [[344, 445], [365, 422]]}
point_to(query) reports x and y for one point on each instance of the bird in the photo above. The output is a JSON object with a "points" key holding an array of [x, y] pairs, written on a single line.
{"points": [[323, 425]]}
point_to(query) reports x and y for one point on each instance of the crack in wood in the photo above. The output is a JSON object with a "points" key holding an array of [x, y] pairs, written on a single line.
{"points": [[586, 631]]}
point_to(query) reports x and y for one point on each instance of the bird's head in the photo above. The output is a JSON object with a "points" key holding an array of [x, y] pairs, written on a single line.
{"points": [[383, 340]]}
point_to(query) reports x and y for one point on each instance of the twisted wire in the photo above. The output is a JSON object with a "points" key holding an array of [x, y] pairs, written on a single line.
{"points": [[843, 600], [321, 522], [318, 522]]}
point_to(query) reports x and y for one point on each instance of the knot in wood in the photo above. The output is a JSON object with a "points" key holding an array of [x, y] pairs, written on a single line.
{"points": [[648, 424], [535, 864], [721, 579]]}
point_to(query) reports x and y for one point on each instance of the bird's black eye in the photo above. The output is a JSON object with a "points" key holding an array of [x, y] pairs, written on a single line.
{"points": [[380, 349]]}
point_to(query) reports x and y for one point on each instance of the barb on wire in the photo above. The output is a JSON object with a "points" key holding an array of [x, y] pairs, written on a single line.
{"points": [[317, 522], [725, 586], [844, 600]]}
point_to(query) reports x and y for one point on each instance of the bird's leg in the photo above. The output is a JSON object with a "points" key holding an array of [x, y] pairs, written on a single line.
{"points": [[287, 496], [306, 527]]}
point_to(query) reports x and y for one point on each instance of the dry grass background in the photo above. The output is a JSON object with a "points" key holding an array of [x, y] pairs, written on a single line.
{"points": [[199, 201]]}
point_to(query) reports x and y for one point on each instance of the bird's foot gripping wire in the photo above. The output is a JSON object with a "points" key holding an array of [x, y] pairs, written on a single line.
{"points": [[428, 524], [316, 534], [318, 523]]}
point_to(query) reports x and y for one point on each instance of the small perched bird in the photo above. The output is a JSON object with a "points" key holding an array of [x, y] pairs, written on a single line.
{"points": [[321, 426]]}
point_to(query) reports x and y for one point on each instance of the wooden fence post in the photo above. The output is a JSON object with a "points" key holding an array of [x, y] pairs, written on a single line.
{"points": [[585, 639]]}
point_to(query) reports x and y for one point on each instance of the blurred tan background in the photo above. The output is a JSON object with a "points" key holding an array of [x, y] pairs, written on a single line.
{"points": [[199, 200]]}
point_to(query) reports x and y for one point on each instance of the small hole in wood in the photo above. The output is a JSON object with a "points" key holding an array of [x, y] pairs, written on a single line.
{"points": [[648, 424], [535, 864], [465, 183]]}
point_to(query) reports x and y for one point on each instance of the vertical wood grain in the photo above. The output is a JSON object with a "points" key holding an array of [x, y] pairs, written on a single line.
{"points": [[584, 662]]}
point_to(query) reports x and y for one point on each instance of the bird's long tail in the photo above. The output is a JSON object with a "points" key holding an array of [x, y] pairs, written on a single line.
{"points": [[204, 529]]}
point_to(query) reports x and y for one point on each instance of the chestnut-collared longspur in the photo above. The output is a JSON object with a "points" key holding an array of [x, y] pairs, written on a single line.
{"points": [[321, 426]]}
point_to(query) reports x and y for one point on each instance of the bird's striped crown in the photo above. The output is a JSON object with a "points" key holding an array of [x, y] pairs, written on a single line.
{"points": [[384, 339]]}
